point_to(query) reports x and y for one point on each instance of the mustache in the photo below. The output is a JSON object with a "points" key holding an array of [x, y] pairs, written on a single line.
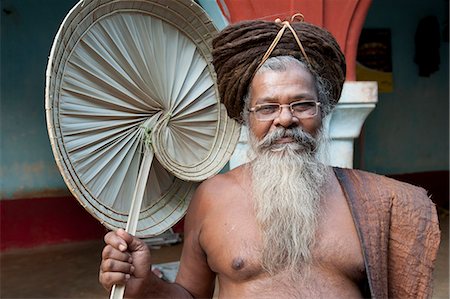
{"points": [[303, 140]]}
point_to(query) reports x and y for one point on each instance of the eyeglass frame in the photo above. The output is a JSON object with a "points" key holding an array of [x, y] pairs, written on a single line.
{"points": [[280, 107]]}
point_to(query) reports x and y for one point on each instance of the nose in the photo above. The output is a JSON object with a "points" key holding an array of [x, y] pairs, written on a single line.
{"points": [[286, 119]]}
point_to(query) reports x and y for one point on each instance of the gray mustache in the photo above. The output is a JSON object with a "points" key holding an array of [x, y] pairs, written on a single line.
{"points": [[303, 139]]}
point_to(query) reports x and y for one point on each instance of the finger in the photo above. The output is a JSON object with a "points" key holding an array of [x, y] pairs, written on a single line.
{"points": [[110, 265], [133, 243], [110, 252], [115, 240], [108, 279]]}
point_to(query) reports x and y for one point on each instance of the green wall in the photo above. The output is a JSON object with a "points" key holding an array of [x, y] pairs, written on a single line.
{"points": [[409, 129], [27, 31]]}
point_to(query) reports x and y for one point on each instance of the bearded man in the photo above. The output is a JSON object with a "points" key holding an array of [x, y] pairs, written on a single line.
{"points": [[285, 225]]}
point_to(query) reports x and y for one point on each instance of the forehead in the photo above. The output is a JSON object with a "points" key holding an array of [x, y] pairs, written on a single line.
{"points": [[284, 86]]}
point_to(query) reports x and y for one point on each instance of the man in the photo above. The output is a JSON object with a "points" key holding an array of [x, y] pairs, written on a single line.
{"points": [[285, 225]]}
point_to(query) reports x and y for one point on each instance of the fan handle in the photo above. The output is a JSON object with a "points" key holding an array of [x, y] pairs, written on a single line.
{"points": [[118, 291]]}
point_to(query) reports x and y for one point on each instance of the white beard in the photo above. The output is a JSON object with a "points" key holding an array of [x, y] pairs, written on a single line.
{"points": [[288, 184]]}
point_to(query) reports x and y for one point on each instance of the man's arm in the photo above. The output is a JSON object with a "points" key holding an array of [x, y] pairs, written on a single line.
{"points": [[195, 274], [126, 260]]}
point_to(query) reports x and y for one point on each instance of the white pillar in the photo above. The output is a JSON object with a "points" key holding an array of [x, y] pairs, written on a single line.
{"points": [[342, 126]]}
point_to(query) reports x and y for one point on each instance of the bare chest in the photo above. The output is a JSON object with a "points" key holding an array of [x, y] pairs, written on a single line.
{"points": [[233, 249]]}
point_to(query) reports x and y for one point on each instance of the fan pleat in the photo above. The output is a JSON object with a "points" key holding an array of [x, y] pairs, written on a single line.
{"points": [[80, 156], [116, 65], [95, 162], [137, 48], [123, 167], [198, 83], [116, 157], [195, 142], [86, 112], [84, 131], [162, 180], [103, 87], [124, 53], [199, 103], [192, 66]]}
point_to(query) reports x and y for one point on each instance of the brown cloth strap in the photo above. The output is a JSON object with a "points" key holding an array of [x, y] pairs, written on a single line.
{"points": [[366, 217]]}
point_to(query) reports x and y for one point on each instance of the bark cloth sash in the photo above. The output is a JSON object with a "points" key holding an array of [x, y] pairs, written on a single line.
{"points": [[399, 232]]}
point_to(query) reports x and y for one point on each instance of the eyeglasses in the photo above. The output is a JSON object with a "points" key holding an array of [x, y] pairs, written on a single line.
{"points": [[300, 109]]}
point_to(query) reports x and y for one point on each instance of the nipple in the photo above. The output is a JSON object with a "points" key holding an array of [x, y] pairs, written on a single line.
{"points": [[238, 263]]}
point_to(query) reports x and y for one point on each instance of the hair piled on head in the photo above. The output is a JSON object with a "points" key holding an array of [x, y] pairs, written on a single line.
{"points": [[239, 48]]}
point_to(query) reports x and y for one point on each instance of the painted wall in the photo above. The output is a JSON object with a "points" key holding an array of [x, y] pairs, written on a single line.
{"points": [[409, 130], [27, 30]]}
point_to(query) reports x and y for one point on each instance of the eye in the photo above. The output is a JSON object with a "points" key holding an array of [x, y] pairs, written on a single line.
{"points": [[303, 106], [267, 109]]}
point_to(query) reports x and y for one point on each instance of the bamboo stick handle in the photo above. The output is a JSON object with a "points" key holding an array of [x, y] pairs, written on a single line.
{"points": [[118, 291]]}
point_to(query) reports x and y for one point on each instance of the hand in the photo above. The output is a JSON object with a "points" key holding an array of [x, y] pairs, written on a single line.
{"points": [[126, 261]]}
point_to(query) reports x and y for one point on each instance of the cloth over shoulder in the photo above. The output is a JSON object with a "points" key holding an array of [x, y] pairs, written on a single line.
{"points": [[399, 232]]}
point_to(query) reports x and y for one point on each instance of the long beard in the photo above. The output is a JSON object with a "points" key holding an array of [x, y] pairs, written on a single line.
{"points": [[287, 181]]}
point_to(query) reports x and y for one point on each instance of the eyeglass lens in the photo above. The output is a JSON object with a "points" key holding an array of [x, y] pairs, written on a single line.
{"points": [[271, 111]]}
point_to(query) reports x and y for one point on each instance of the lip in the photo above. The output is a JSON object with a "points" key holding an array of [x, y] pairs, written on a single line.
{"points": [[285, 140]]}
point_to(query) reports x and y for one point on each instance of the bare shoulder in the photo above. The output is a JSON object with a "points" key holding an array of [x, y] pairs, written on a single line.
{"points": [[220, 188], [223, 181], [215, 194]]}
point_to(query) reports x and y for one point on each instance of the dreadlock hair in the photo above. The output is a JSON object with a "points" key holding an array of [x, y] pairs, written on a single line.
{"points": [[238, 50]]}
